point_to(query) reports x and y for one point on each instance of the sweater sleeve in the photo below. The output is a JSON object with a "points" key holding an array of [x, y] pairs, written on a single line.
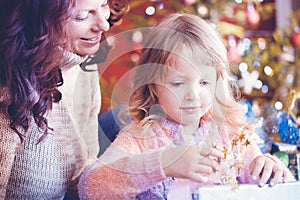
{"points": [[122, 171], [10, 142]]}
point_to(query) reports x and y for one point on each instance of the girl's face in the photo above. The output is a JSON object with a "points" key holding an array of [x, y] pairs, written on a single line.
{"points": [[187, 91], [87, 23]]}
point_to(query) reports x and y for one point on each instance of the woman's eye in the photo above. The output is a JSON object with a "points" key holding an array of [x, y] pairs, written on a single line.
{"points": [[105, 3], [82, 16]]}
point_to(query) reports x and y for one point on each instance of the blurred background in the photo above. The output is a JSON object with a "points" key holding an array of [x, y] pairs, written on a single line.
{"points": [[262, 38]]}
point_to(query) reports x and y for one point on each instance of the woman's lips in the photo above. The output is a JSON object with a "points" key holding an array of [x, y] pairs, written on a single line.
{"points": [[94, 40]]}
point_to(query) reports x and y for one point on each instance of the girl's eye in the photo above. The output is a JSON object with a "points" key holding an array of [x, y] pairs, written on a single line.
{"points": [[204, 82], [82, 15], [177, 83]]}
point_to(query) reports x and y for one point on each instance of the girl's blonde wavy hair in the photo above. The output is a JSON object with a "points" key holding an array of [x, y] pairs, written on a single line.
{"points": [[196, 36]]}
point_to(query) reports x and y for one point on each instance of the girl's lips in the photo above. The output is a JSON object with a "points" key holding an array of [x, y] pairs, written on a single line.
{"points": [[190, 109]]}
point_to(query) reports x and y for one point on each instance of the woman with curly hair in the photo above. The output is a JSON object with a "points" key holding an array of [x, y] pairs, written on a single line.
{"points": [[48, 103]]}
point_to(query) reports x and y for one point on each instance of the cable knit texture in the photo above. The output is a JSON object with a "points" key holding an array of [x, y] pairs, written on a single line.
{"points": [[121, 173], [48, 169]]}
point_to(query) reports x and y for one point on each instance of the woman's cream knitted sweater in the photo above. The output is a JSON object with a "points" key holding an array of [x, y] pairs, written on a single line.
{"points": [[48, 169]]}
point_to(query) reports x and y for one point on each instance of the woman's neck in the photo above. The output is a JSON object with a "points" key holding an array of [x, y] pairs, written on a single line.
{"points": [[71, 59]]}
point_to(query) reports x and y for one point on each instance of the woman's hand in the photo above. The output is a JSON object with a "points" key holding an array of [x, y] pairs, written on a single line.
{"points": [[268, 168], [191, 162]]}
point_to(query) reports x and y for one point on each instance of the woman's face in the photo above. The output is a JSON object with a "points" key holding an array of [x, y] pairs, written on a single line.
{"points": [[87, 23]]}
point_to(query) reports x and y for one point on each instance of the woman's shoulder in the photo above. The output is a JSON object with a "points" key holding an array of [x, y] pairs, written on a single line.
{"points": [[4, 101], [4, 94], [7, 136]]}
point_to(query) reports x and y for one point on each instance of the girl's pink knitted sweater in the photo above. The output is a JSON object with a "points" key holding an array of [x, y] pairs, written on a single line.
{"points": [[131, 166]]}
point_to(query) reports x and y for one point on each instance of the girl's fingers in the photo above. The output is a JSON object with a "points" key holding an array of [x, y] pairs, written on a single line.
{"points": [[266, 174], [206, 170], [217, 153], [278, 177], [206, 150], [268, 169], [199, 177], [208, 161], [287, 176], [257, 166]]}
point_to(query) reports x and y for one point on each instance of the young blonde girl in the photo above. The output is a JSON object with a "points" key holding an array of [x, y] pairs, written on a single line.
{"points": [[188, 129]]}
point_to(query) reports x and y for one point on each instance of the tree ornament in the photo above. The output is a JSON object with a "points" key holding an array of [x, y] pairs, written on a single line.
{"points": [[232, 50], [248, 81], [296, 38], [288, 129], [252, 16], [188, 2]]}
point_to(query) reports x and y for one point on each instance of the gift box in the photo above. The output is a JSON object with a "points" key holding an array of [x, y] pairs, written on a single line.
{"points": [[290, 155], [289, 148], [290, 191]]}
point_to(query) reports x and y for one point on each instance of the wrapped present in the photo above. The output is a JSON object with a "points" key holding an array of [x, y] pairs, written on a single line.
{"points": [[294, 165], [290, 155], [288, 148], [281, 191]]}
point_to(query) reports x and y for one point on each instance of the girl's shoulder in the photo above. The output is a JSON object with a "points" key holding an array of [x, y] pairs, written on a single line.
{"points": [[134, 137]]}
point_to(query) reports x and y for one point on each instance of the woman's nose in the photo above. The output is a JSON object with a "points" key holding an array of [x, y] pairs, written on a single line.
{"points": [[101, 23]]}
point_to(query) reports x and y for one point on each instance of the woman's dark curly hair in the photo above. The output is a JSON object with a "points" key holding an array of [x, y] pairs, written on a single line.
{"points": [[30, 33]]}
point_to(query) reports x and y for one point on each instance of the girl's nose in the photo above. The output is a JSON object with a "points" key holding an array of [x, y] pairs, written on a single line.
{"points": [[192, 93]]}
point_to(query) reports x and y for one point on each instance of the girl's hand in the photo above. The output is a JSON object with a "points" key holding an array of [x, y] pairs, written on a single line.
{"points": [[191, 162], [268, 168]]}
